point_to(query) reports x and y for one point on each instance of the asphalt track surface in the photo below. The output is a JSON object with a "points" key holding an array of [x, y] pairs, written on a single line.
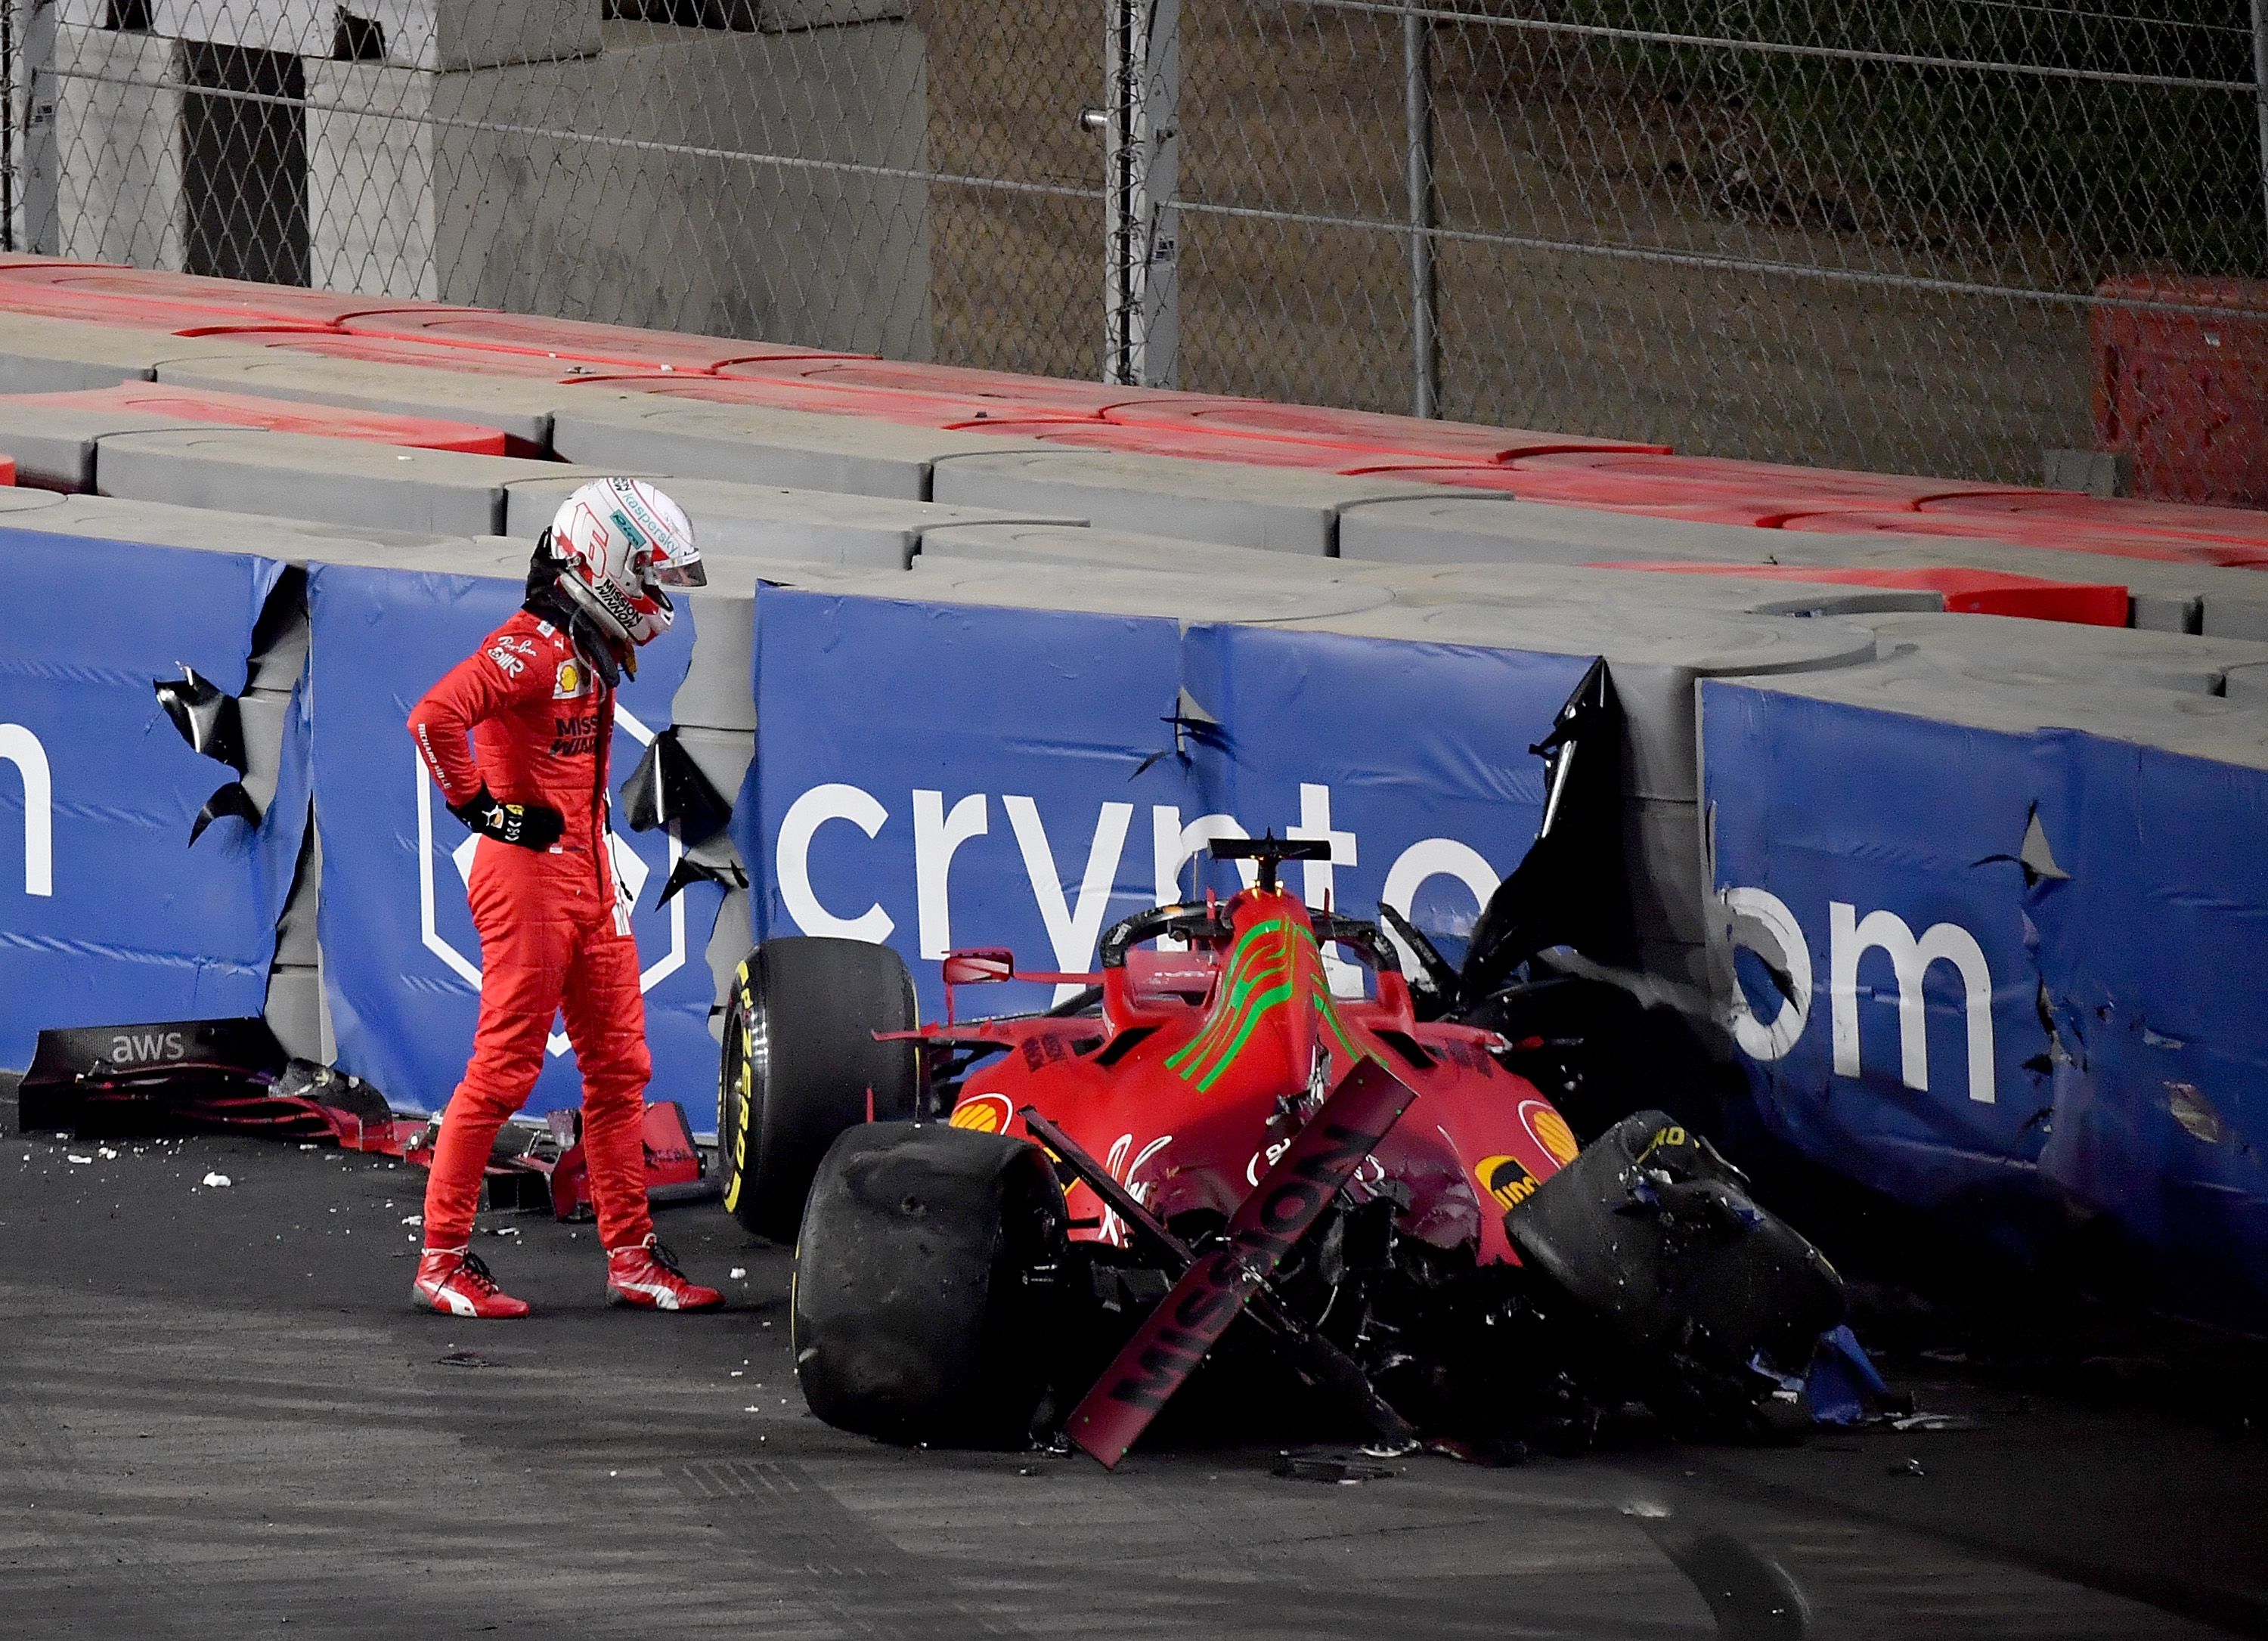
{"points": [[219, 1417]]}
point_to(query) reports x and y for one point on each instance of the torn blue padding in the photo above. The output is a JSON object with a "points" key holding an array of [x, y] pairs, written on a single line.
{"points": [[935, 775], [1998, 1041], [1842, 1386], [107, 915]]}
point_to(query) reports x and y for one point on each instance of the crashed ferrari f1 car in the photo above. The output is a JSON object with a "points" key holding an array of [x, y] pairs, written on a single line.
{"points": [[1217, 1161]]}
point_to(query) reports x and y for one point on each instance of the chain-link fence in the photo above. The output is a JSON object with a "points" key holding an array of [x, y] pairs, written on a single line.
{"points": [[1917, 234]]}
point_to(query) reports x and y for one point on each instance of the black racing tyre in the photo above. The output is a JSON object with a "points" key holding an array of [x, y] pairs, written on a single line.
{"points": [[797, 1060], [924, 1302]]}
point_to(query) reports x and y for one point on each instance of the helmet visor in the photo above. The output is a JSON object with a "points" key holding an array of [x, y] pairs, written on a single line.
{"points": [[686, 572]]}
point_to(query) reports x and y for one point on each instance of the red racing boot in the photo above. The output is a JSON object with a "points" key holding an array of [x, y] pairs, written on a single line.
{"points": [[455, 1282], [646, 1274]]}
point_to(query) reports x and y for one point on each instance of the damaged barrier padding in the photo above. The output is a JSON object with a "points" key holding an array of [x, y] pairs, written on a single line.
{"points": [[1022, 777], [110, 914], [400, 959], [2007, 974]]}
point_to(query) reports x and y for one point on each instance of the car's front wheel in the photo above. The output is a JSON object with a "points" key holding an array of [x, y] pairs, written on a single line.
{"points": [[799, 1064], [926, 1287]]}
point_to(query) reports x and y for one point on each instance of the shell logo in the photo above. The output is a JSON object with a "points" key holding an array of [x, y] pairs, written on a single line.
{"points": [[985, 1114], [1550, 1130]]}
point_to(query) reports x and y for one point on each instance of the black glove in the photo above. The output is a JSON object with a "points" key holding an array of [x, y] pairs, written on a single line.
{"points": [[531, 826]]}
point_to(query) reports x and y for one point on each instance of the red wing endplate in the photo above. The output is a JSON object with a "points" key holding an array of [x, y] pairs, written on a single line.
{"points": [[1283, 1207]]}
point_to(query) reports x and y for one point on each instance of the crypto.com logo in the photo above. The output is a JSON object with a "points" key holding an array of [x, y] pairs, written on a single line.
{"points": [[21, 748], [631, 870]]}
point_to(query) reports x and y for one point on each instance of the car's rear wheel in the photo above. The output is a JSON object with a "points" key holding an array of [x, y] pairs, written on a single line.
{"points": [[924, 1301], [797, 1064]]}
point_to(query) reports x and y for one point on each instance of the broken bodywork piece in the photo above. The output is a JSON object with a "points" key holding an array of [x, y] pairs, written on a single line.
{"points": [[230, 1076]]}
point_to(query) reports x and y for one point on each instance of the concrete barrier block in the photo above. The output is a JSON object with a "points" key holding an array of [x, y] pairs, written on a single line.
{"points": [[294, 541], [720, 691], [2104, 655], [638, 432], [1662, 857], [15, 503], [520, 408], [1422, 586], [1280, 510], [54, 445], [1118, 550], [335, 481], [768, 523], [1183, 597], [1470, 528], [295, 932], [295, 1009], [38, 355], [2247, 684]]}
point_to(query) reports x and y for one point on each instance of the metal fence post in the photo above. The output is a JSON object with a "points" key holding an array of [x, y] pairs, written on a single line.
{"points": [[1418, 113], [2260, 87], [1142, 163]]}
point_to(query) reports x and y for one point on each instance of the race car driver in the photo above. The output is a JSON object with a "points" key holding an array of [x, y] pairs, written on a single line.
{"points": [[537, 701]]}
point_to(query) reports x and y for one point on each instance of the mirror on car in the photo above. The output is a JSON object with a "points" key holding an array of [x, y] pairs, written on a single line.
{"points": [[979, 967]]}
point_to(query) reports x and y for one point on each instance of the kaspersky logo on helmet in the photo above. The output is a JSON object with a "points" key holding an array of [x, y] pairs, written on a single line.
{"points": [[446, 923]]}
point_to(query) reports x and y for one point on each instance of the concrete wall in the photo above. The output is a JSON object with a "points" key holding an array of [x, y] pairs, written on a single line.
{"points": [[117, 148], [468, 187]]}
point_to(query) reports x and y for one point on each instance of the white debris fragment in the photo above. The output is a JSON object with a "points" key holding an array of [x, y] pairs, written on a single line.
{"points": [[751, 1410], [414, 1219], [216, 1181], [739, 1271], [72, 1156], [106, 1153], [736, 1373]]}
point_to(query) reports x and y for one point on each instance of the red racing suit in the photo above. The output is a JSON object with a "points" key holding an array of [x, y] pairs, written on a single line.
{"points": [[555, 937]]}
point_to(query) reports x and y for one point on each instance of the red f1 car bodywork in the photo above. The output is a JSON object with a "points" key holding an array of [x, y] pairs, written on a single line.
{"points": [[1205, 1062]]}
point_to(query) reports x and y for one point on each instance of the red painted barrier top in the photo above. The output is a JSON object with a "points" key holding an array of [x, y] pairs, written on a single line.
{"points": [[570, 341], [279, 415], [432, 356], [2183, 519], [1368, 432], [140, 299], [1141, 439], [1721, 503], [1966, 590], [2020, 531], [814, 396], [1641, 479], [1004, 388]]}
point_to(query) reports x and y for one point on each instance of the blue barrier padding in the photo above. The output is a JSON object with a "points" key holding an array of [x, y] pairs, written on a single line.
{"points": [[1413, 756], [2110, 900], [107, 915], [932, 776], [400, 959], [2155, 956]]}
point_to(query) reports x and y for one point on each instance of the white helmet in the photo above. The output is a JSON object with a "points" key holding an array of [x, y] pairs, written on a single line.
{"points": [[619, 542]]}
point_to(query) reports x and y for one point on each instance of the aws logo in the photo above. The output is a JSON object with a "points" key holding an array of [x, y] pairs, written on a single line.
{"points": [[21, 748], [1508, 1180]]}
